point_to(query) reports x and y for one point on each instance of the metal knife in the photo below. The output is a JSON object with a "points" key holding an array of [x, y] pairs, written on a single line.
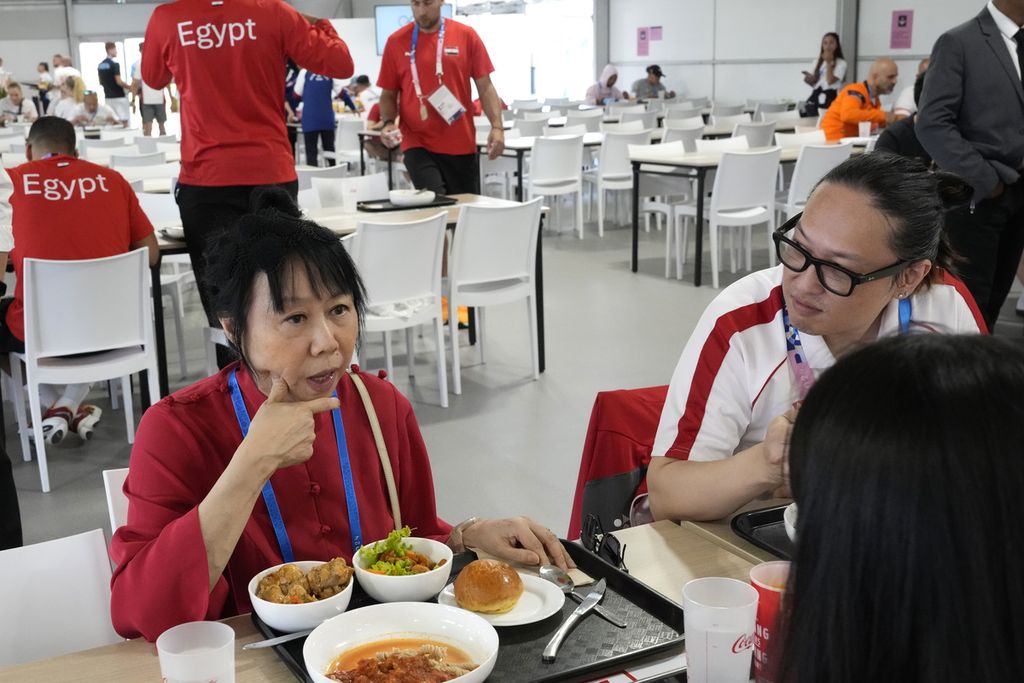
{"points": [[271, 642], [600, 610], [588, 604]]}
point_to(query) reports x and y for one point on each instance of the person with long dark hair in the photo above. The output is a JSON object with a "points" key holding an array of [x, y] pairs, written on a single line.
{"points": [[826, 76], [868, 257], [906, 465]]}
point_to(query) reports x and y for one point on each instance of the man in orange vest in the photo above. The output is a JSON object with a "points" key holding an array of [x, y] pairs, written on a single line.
{"points": [[858, 102]]}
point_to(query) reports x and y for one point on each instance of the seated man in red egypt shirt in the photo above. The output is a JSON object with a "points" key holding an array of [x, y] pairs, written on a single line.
{"points": [[57, 206]]}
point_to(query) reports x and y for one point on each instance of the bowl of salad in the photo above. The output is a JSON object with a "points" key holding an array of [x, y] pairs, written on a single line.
{"points": [[403, 568]]}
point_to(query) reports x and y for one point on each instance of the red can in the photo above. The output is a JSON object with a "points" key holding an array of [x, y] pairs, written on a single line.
{"points": [[769, 580]]}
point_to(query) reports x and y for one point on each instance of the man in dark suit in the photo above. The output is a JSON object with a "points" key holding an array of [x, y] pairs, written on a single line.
{"points": [[971, 121]]}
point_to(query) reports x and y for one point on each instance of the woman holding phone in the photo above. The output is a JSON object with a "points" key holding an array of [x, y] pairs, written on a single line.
{"points": [[826, 75]]}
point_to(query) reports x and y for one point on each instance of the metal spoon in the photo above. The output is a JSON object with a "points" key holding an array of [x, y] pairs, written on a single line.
{"points": [[271, 642], [560, 578]]}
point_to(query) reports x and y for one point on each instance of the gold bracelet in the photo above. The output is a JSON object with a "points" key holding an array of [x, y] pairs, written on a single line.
{"points": [[455, 541]]}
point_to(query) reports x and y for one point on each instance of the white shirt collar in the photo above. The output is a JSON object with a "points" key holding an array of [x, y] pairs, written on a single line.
{"points": [[1004, 23]]}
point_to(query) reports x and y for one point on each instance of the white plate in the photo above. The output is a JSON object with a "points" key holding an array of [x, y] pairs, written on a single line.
{"points": [[410, 197], [173, 233], [540, 599]]}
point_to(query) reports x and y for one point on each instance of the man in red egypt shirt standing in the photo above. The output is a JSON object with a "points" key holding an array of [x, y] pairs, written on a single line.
{"points": [[227, 58], [425, 76]]}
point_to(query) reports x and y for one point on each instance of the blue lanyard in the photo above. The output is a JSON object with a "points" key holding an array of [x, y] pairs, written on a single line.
{"points": [[438, 68], [242, 414]]}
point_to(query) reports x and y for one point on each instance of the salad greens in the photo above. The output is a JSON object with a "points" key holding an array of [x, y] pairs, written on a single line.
{"points": [[393, 556]]}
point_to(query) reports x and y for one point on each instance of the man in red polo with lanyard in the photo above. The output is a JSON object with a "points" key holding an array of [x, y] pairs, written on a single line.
{"points": [[425, 76], [230, 144]]}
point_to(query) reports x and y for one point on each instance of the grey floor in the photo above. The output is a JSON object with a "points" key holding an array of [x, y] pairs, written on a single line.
{"points": [[508, 445]]}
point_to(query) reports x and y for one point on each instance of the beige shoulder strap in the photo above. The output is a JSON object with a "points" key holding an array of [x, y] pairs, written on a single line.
{"points": [[382, 449]]}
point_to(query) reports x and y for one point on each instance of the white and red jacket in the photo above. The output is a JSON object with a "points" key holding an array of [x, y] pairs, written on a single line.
{"points": [[733, 377], [228, 60]]}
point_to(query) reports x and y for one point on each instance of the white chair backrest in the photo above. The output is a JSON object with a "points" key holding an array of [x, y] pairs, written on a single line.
{"points": [[728, 119], [575, 129], [306, 174], [816, 137], [685, 113], [136, 185], [746, 179], [526, 105], [332, 191], [590, 122], [806, 129], [158, 207], [348, 134], [757, 134], [787, 115], [481, 122], [492, 244], [400, 261], [168, 170], [626, 107], [168, 146], [536, 115], [688, 136], [115, 315], [85, 145], [699, 102], [722, 144], [667, 150], [595, 112], [812, 165], [722, 109], [58, 598], [126, 134], [768, 107], [628, 127], [557, 158], [117, 502], [647, 119], [12, 159], [614, 156], [16, 147], [688, 123], [556, 101], [122, 160], [530, 127], [103, 156], [310, 199]]}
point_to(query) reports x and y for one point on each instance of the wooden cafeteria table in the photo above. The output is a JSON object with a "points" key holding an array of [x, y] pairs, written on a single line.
{"points": [[663, 555]]}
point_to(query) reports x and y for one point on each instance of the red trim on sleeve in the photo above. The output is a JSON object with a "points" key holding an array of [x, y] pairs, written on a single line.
{"points": [[712, 355], [950, 279]]}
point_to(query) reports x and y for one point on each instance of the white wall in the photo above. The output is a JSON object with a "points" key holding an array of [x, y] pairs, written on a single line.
{"points": [[361, 38]]}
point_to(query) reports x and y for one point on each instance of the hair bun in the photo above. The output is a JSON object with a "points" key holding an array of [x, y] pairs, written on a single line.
{"points": [[954, 191], [273, 198]]}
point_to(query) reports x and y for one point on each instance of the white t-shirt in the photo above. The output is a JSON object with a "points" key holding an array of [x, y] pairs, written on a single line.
{"points": [[25, 112], [733, 377], [62, 72], [147, 94], [64, 108], [904, 104], [368, 98], [103, 114], [839, 71], [6, 212]]}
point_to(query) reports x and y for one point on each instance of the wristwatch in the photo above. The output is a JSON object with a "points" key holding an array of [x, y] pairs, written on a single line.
{"points": [[455, 541]]}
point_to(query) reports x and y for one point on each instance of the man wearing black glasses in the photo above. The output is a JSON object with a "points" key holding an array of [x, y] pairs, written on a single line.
{"points": [[867, 258]]}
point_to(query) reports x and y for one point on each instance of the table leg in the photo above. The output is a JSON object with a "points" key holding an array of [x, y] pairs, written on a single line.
{"points": [[391, 173], [698, 243], [362, 155], [538, 274], [471, 322], [636, 215], [161, 343], [519, 174]]}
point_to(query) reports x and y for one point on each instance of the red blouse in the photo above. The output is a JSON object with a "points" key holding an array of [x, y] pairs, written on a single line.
{"points": [[183, 445]]}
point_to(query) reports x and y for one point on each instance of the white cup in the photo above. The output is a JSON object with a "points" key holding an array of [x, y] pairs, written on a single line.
{"points": [[864, 129], [719, 616], [197, 652]]}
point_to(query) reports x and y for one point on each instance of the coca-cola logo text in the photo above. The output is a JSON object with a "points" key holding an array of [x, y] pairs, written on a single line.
{"points": [[744, 642]]}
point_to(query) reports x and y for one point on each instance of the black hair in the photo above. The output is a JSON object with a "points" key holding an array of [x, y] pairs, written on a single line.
{"points": [[906, 463], [44, 65], [363, 79], [274, 239], [53, 133], [919, 86], [913, 199], [838, 54]]}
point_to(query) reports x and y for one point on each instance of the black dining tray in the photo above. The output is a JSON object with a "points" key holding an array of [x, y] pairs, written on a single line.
{"points": [[654, 623], [379, 205], [765, 529]]}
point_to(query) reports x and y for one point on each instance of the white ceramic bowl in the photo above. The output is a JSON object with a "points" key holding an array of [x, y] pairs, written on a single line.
{"points": [[412, 588], [410, 197], [789, 519], [290, 618], [462, 629]]}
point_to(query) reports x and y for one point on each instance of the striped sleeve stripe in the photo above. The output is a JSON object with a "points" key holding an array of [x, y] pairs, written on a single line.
{"points": [[961, 288]]}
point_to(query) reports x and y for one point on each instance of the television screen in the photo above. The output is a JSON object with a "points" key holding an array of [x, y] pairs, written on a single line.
{"points": [[390, 18]]}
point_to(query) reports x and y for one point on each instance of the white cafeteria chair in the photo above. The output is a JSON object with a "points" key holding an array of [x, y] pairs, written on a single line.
{"points": [[58, 599], [537, 115], [332, 191], [126, 134], [788, 115], [87, 144], [577, 129], [148, 145], [400, 264], [625, 107], [498, 171], [614, 170], [757, 134], [119, 161], [722, 109], [117, 502], [762, 108], [814, 137], [656, 187], [346, 142], [648, 119], [309, 199], [11, 159], [530, 128], [743, 195], [493, 257], [590, 118], [556, 168], [675, 112], [728, 119], [722, 144], [112, 327], [688, 136], [811, 166], [307, 173]]}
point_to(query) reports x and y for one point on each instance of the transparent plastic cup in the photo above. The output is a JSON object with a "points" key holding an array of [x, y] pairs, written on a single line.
{"points": [[719, 618], [864, 128], [197, 652], [769, 580]]}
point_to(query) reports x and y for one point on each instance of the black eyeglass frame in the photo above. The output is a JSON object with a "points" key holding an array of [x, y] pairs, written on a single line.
{"points": [[779, 237], [605, 545]]}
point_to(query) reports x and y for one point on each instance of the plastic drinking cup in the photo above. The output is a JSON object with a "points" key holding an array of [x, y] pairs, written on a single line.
{"points": [[719, 617], [769, 580], [864, 129], [197, 652]]}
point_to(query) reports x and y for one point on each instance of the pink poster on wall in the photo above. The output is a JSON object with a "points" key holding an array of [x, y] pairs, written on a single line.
{"points": [[902, 29], [643, 41], [655, 33]]}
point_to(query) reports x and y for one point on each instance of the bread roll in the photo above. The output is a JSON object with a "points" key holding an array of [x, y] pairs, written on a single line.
{"points": [[488, 586]]}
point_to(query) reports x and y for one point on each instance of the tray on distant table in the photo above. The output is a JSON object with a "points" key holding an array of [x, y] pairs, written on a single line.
{"points": [[654, 623], [765, 529], [378, 205]]}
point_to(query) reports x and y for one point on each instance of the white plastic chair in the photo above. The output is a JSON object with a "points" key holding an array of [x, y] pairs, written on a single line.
{"points": [[346, 141], [332, 191], [591, 118], [530, 127], [306, 174], [728, 119], [309, 199], [87, 144], [117, 502], [647, 119], [536, 115], [400, 264], [811, 166], [58, 598], [815, 137], [743, 195], [525, 105], [626, 107], [148, 145], [154, 171], [575, 129], [556, 168], [126, 134], [688, 136], [628, 127], [12, 159], [614, 170], [119, 161], [684, 111], [757, 134], [493, 256], [722, 109], [687, 123], [788, 115], [657, 189], [762, 108], [113, 324], [722, 144]]}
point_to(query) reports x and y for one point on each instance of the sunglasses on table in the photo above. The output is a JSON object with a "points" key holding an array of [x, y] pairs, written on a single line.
{"points": [[832, 276], [604, 545]]}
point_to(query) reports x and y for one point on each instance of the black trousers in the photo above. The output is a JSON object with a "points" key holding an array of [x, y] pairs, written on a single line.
{"points": [[990, 239], [443, 173], [311, 137], [10, 513]]}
